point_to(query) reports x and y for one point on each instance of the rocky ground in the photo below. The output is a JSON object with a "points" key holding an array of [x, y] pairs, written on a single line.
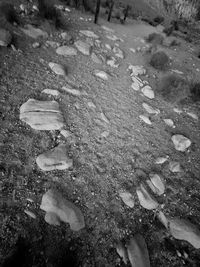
{"points": [[96, 168]]}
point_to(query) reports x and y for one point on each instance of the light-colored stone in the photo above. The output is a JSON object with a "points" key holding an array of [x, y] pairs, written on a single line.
{"points": [[83, 47], [136, 70], [58, 69], [42, 115], [118, 52], [161, 160], [54, 159], [101, 74], [107, 29], [127, 198], [177, 110], [71, 91], [65, 133], [148, 92], [34, 32], [133, 50], [121, 250], [158, 184], [104, 118], [149, 109], [51, 92], [5, 37], [66, 51], [169, 122], [137, 252], [181, 142], [145, 119], [192, 115], [95, 58], [66, 36], [107, 46], [105, 134], [36, 45], [58, 208], [89, 34], [146, 200], [91, 105], [112, 62], [30, 214], [136, 83], [174, 166], [52, 44]]}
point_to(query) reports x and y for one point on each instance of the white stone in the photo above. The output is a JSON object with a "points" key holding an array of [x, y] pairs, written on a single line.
{"points": [[158, 184], [192, 115], [161, 160], [105, 134], [71, 91], [51, 92], [118, 52], [83, 47], [65, 133], [89, 34], [101, 74], [30, 214], [177, 110], [95, 58], [121, 250], [52, 44], [180, 142], [169, 122], [127, 198], [36, 45], [137, 70], [145, 119], [66, 51], [107, 29], [133, 50], [58, 69], [112, 62], [174, 166], [146, 200], [149, 109], [148, 92], [107, 46]]}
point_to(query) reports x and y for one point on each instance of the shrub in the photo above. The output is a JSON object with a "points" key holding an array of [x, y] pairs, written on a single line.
{"points": [[155, 38], [159, 60], [195, 91], [8, 13], [158, 19], [173, 88]]}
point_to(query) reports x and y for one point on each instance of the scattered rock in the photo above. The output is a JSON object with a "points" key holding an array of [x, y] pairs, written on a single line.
{"points": [[5, 37], [89, 34], [103, 117], [66, 51], [42, 115], [121, 250], [148, 92], [112, 62], [177, 71], [156, 184], [174, 166], [101, 74], [137, 70], [54, 159], [138, 252], [51, 92], [83, 47], [127, 198], [184, 230], [34, 32], [58, 69], [146, 200], [169, 122], [52, 44], [145, 119], [62, 210], [95, 58], [149, 109], [181, 142], [112, 37], [91, 105], [118, 52]]}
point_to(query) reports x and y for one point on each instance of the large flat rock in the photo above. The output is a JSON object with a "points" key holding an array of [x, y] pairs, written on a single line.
{"points": [[34, 32]]}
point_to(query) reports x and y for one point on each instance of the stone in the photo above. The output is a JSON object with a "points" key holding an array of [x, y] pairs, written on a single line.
{"points": [[163, 219], [71, 91], [101, 74], [112, 37], [91, 105], [161, 160], [146, 200], [66, 36], [118, 52], [54, 159], [107, 29], [148, 92], [145, 119], [180, 142], [192, 115], [67, 9], [121, 250], [58, 209], [112, 62], [35, 8], [169, 122], [149, 109], [107, 46], [51, 92], [42, 115], [133, 50], [36, 45], [137, 70], [34, 32], [89, 34], [105, 134], [137, 252], [184, 230], [103, 117], [83, 47], [66, 51], [156, 184], [58, 69], [30, 214], [127, 198], [65, 133], [177, 110], [174, 166], [52, 44], [95, 58], [136, 83], [5, 37]]}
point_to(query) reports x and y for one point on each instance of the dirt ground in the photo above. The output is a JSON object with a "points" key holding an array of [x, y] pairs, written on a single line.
{"points": [[102, 166]]}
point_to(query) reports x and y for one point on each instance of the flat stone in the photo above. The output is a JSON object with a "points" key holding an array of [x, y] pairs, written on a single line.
{"points": [[137, 252], [89, 34], [192, 115], [174, 166], [112, 37], [58, 209], [148, 92], [127, 198], [136, 83], [161, 160], [54, 159], [145, 119], [180, 142], [149, 109], [107, 29], [91, 105], [105, 134], [66, 36], [58, 69], [156, 184], [118, 52], [66, 51], [5, 37], [101, 74], [71, 91], [177, 110], [137, 70], [83, 47], [42, 115], [34, 32], [104, 118], [121, 250], [51, 92], [95, 58], [146, 200], [169, 122]]}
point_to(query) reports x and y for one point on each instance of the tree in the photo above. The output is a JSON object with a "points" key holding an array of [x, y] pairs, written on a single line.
{"points": [[97, 11], [110, 9]]}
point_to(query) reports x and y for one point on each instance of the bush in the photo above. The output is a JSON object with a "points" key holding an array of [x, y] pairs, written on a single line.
{"points": [[159, 60], [155, 38], [174, 88], [195, 92], [158, 19], [48, 11], [8, 13]]}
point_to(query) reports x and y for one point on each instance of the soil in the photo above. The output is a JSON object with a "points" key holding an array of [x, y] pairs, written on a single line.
{"points": [[102, 166]]}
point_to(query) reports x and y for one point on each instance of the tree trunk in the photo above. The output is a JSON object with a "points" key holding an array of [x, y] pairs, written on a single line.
{"points": [[111, 9], [126, 12], [97, 11]]}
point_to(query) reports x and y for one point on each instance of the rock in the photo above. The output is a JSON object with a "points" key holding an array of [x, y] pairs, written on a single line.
{"points": [[66, 51], [136, 83], [112, 62], [54, 159], [83, 47], [137, 252], [177, 71], [30, 213], [174, 166], [156, 184], [70, 91], [145, 119], [180, 142], [34, 32], [118, 52], [103, 117], [53, 203], [107, 46], [127, 198], [58, 69], [112, 37], [66, 36], [161, 160], [5, 37], [184, 230], [159, 60], [192, 115], [65, 133], [67, 9], [148, 92], [36, 45], [107, 29], [91, 105], [101, 74], [133, 50], [146, 200], [149, 109], [121, 250], [169, 122], [89, 34], [137, 70], [95, 58], [163, 219], [35, 8], [105, 134], [42, 115], [52, 44], [51, 92], [177, 110]]}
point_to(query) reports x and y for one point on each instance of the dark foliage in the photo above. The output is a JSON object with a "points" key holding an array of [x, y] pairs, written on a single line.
{"points": [[158, 19], [155, 38], [195, 92], [8, 13], [159, 60]]}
